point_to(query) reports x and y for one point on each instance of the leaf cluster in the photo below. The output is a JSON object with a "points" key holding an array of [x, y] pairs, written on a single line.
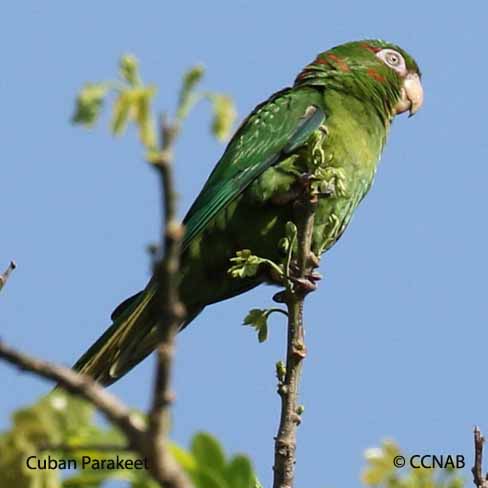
{"points": [[380, 472], [64, 427], [245, 265], [52, 420], [133, 103], [208, 466]]}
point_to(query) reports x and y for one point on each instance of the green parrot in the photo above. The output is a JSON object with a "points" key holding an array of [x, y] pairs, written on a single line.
{"points": [[350, 94]]}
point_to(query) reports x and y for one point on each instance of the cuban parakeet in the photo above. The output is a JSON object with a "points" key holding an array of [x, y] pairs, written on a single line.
{"points": [[350, 94]]}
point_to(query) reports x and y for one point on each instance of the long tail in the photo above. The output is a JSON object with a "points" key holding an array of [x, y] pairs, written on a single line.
{"points": [[131, 337]]}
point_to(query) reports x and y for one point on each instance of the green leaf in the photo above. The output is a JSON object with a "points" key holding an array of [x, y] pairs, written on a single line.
{"points": [[380, 463], [239, 473], [380, 472], [187, 99], [258, 318], [206, 478], [89, 104], [186, 460], [144, 118], [94, 479], [51, 420], [143, 480], [208, 452], [247, 264], [121, 112], [129, 69], [224, 115]]}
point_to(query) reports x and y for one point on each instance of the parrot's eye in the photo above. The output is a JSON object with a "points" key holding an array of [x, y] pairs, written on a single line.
{"points": [[393, 59]]}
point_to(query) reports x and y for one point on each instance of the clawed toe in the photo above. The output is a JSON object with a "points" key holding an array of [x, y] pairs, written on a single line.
{"points": [[279, 297], [314, 276], [306, 284]]}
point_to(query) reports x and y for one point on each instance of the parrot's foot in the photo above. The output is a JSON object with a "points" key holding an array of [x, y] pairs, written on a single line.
{"points": [[304, 182], [301, 185], [314, 276], [305, 285], [308, 283]]}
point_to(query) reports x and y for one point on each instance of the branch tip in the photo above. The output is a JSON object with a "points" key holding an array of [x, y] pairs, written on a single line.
{"points": [[6, 274], [293, 296], [479, 479]]}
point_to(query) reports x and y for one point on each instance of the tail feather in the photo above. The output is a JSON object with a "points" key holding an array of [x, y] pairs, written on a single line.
{"points": [[118, 349]]}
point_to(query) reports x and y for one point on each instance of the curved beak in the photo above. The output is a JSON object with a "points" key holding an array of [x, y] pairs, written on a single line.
{"points": [[412, 95]]}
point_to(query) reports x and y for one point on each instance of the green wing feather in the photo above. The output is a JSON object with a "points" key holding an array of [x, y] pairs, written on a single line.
{"points": [[273, 130]]}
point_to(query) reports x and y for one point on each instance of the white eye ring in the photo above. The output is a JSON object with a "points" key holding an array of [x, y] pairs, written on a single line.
{"points": [[393, 59]]}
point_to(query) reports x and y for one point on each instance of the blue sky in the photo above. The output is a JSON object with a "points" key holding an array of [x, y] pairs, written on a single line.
{"points": [[395, 333]]}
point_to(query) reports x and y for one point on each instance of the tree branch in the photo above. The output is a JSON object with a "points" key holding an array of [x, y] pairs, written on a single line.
{"points": [[138, 437], [114, 410], [150, 442], [6, 274], [171, 311], [132, 95], [285, 441], [478, 479]]}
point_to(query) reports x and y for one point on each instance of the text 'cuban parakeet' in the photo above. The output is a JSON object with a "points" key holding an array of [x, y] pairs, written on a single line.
{"points": [[350, 94]]}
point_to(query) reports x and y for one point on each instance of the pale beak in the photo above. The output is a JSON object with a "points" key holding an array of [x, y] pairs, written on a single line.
{"points": [[412, 95]]}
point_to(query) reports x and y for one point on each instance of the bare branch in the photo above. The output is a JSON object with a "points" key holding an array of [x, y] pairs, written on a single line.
{"points": [[151, 441], [6, 274], [113, 409], [285, 441], [479, 480], [172, 313], [140, 440]]}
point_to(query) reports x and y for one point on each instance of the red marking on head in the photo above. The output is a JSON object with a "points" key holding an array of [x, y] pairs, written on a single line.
{"points": [[371, 48], [320, 60], [301, 75], [372, 73], [340, 62]]}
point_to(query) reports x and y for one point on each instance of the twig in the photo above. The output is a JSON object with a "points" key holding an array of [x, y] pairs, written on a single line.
{"points": [[285, 441], [172, 313], [113, 409], [6, 274], [151, 441], [139, 439], [478, 479]]}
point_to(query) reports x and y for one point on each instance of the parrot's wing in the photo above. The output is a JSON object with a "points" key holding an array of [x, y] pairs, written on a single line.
{"points": [[273, 130]]}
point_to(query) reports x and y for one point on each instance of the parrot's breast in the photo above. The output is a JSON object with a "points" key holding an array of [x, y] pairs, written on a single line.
{"points": [[353, 146]]}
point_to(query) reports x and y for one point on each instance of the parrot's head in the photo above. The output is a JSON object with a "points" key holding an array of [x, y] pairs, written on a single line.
{"points": [[372, 69]]}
